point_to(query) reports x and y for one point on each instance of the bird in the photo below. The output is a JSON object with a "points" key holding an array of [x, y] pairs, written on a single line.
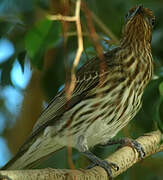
{"points": [[96, 111]]}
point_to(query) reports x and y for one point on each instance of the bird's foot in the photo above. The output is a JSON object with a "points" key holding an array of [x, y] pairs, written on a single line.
{"points": [[102, 163], [128, 142], [134, 145]]}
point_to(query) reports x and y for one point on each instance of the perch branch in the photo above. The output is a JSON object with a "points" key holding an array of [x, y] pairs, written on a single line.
{"points": [[124, 158]]}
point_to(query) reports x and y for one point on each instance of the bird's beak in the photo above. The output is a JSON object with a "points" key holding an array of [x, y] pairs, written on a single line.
{"points": [[138, 10]]}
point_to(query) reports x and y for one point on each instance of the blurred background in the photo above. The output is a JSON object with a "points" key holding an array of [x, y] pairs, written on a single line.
{"points": [[36, 55]]}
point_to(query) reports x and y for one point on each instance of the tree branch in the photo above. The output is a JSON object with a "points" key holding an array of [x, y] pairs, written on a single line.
{"points": [[76, 19], [124, 158]]}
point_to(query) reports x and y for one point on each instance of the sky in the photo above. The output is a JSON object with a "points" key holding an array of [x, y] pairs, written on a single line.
{"points": [[12, 95]]}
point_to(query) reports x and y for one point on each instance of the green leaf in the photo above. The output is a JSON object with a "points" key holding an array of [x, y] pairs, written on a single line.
{"points": [[160, 114], [161, 88], [42, 36]]}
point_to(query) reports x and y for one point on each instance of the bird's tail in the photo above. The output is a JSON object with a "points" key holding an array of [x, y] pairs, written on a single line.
{"points": [[38, 151]]}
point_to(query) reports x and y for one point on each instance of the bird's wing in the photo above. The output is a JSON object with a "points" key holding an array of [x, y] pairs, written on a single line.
{"points": [[88, 77]]}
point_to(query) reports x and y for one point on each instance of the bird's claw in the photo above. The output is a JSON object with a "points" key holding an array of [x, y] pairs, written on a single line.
{"points": [[134, 145], [138, 148], [105, 165]]}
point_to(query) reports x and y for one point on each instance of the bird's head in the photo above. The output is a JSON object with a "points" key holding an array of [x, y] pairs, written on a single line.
{"points": [[139, 22]]}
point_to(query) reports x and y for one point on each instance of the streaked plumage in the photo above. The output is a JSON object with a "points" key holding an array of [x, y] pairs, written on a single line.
{"points": [[96, 112]]}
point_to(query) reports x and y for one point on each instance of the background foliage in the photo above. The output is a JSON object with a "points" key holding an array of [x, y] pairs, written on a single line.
{"points": [[51, 52]]}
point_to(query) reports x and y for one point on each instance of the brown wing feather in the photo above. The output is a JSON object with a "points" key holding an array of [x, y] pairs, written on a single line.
{"points": [[87, 78]]}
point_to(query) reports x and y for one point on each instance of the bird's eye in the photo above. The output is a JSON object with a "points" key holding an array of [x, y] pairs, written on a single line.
{"points": [[127, 16], [152, 22]]}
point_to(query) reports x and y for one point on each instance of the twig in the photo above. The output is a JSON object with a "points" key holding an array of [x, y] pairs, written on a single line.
{"points": [[79, 50], [76, 19], [124, 158], [60, 17], [97, 45]]}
